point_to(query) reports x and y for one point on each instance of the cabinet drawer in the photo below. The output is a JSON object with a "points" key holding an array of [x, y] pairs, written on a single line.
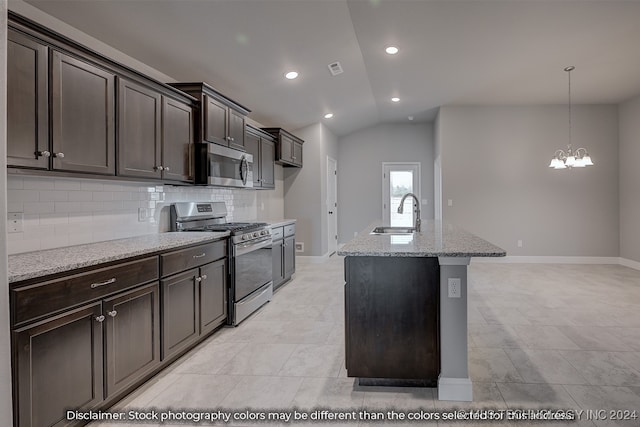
{"points": [[34, 301], [184, 259], [277, 233], [289, 230]]}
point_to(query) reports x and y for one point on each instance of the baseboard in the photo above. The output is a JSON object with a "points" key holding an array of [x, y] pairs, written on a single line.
{"points": [[547, 260], [457, 389], [630, 263]]}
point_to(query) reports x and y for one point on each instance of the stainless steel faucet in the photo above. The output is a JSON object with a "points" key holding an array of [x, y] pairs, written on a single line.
{"points": [[416, 205]]}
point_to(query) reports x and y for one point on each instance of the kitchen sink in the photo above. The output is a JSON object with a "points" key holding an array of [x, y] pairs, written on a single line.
{"points": [[393, 230]]}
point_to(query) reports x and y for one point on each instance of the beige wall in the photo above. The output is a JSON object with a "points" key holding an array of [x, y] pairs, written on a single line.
{"points": [[630, 180], [494, 169]]}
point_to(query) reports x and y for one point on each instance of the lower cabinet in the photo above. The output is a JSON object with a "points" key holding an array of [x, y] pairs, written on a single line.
{"points": [[284, 254], [194, 303], [82, 357]]}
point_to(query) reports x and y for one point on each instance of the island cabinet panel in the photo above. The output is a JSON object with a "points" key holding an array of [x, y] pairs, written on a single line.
{"points": [[27, 102], [391, 307], [139, 127], [132, 337], [83, 122], [58, 364]]}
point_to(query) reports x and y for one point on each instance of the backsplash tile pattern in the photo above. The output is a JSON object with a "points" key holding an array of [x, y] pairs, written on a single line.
{"points": [[61, 212]]}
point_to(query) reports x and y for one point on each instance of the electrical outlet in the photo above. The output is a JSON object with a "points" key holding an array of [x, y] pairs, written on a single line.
{"points": [[299, 246], [519, 243], [143, 214], [454, 287], [450, 202], [15, 222]]}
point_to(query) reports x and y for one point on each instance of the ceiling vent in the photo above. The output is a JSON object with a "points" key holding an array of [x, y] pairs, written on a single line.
{"points": [[335, 68]]}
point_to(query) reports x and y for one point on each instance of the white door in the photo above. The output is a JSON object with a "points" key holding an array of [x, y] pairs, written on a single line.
{"points": [[332, 204], [399, 179]]}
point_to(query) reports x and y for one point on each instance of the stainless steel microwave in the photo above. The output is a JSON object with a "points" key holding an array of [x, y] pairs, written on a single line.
{"points": [[223, 167]]}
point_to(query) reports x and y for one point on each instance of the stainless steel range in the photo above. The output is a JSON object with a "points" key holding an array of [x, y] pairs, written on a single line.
{"points": [[250, 258]]}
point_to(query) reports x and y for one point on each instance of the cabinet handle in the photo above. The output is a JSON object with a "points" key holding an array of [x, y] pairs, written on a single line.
{"points": [[203, 254], [158, 168], [44, 153], [100, 318], [229, 138], [198, 279], [233, 139], [203, 277], [166, 168], [106, 282], [61, 155], [112, 313], [294, 157]]}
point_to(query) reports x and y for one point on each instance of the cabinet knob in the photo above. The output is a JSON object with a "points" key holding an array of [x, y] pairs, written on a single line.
{"points": [[294, 157], [166, 168], [100, 318], [233, 139], [61, 155], [203, 277], [198, 279], [44, 153], [158, 168], [112, 313], [229, 138]]}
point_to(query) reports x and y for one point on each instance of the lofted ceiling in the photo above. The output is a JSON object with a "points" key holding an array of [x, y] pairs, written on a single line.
{"points": [[475, 52]]}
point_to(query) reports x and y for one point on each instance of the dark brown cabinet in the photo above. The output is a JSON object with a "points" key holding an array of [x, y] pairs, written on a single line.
{"points": [[288, 147], [284, 253], [391, 319], [177, 140], [194, 302], [58, 365], [27, 102], [82, 116], [132, 337], [262, 146], [221, 120]]}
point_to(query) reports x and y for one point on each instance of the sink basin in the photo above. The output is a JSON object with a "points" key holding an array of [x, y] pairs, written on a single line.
{"points": [[393, 230]]}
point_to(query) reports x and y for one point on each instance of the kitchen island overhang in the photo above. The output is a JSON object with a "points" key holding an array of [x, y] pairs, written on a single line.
{"points": [[368, 262]]}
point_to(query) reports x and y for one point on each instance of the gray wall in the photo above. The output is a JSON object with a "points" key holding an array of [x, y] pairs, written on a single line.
{"points": [[305, 189], [360, 158], [5, 353], [494, 168], [629, 113]]}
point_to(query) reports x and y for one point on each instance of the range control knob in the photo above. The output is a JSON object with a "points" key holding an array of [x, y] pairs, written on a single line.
{"points": [[244, 237], [263, 232], [255, 234]]}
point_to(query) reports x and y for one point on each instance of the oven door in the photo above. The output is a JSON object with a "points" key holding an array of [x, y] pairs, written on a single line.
{"points": [[228, 167], [253, 267]]}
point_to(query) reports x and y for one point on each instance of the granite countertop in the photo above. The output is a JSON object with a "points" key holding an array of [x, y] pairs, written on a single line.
{"points": [[279, 222], [435, 240], [42, 263]]}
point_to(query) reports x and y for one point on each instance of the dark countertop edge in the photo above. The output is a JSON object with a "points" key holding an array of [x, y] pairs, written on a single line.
{"points": [[20, 277]]}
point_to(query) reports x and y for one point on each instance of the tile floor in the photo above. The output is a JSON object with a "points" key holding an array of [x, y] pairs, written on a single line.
{"points": [[540, 336]]}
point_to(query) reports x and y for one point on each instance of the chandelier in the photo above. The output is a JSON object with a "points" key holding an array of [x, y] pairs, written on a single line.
{"points": [[570, 158]]}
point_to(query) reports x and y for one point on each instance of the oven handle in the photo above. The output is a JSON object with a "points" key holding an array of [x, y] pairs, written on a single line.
{"points": [[245, 248]]}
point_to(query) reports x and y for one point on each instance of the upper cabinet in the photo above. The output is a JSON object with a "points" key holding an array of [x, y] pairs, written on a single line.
{"points": [[262, 146], [221, 120], [288, 147], [73, 111]]}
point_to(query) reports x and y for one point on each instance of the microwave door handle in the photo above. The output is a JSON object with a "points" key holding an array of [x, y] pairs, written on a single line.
{"points": [[243, 170]]}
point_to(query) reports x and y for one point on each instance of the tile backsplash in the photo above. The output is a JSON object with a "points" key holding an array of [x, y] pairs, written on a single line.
{"points": [[61, 212]]}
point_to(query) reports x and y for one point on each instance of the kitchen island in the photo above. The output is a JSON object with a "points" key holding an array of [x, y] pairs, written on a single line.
{"points": [[406, 307]]}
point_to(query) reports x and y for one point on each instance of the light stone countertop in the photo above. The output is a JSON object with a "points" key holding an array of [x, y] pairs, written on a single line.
{"points": [[435, 240], [30, 265], [279, 222]]}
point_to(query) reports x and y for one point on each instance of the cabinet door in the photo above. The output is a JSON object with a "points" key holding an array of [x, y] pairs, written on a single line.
{"points": [[58, 366], [286, 149], [139, 120], [213, 295], [289, 256], [27, 102], [278, 263], [215, 121], [267, 159], [132, 337], [236, 130], [177, 140], [180, 309], [252, 145], [297, 153], [82, 110]]}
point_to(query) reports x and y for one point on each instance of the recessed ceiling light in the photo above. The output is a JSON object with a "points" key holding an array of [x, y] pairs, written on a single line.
{"points": [[291, 75], [328, 115], [395, 99], [410, 117], [391, 50]]}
